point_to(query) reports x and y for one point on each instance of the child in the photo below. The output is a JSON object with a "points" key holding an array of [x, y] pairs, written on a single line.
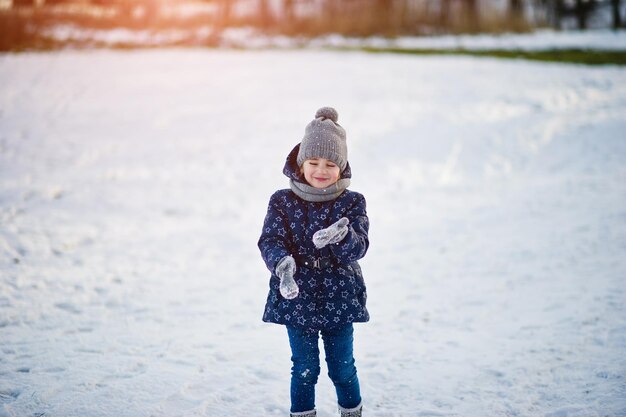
{"points": [[312, 237]]}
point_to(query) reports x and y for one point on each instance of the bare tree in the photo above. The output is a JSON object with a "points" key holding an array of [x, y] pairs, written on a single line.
{"points": [[444, 13], [223, 13], [265, 16], [288, 12], [583, 9], [516, 10], [221, 20], [383, 11], [404, 20], [617, 20], [472, 14], [559, 6], [581, 16], [23, 3]]}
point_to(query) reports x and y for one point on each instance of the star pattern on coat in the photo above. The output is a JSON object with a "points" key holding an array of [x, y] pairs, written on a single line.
{"points": [[327, 298]]}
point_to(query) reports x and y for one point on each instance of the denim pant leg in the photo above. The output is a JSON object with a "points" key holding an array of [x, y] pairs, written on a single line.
{"points": [[305, 356], [341, 369]]}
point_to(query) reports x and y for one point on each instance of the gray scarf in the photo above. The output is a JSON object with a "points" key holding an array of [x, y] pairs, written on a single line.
{"points": [[318, 195]]}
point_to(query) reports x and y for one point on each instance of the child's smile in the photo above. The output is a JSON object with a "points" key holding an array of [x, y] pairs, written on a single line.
{"points": [[320, 172]]}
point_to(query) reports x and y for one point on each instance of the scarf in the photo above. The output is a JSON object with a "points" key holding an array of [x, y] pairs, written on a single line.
{"points": [[318, 195]]}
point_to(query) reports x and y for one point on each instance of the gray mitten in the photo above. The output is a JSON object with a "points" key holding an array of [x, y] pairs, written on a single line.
{"points": [[285, 270], [334, 233]]}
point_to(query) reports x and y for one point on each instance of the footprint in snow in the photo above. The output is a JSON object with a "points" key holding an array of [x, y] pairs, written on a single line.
{"points": [[9, 395], [428, 413], [70, 308]]}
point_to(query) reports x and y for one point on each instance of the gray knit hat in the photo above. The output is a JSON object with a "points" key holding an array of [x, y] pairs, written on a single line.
{"points": [[324, 138]]}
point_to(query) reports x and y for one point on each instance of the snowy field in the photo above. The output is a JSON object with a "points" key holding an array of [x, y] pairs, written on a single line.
{"points": [[539, 40], [249, 38], [133, 187]]}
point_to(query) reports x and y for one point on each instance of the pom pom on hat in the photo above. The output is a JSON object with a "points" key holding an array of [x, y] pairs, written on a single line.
{"points": [[324, 138], [327, 113]]}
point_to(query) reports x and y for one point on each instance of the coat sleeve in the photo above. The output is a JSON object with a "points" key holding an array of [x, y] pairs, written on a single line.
{"points": [[354, 246], [273, 243]]}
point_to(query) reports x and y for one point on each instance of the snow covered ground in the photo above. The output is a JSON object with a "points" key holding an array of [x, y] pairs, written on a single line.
{"points": [[533, 41], [249, 38], [133, 187]]}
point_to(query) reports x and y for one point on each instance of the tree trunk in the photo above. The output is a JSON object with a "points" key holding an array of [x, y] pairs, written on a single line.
{"points": [[472, 14], [383, 13], [288, 11], [581, 14], [221, 21], [516, 9], [617, 20], [264, 15], [329, 15], [23, 3], [559, 8], [444, 13], [223, 14], [407, 18]]}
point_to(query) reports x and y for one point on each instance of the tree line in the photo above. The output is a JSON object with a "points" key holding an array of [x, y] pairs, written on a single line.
{"points": [[387, 17]]}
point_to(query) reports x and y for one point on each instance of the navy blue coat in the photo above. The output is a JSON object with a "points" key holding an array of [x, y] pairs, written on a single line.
{"points": [[329, 297]]}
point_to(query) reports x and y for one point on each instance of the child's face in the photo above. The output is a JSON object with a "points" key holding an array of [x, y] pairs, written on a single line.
{"points": [[320, 172]]}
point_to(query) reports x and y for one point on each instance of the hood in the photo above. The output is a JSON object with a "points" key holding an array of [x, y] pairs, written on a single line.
{"points": [[292, 170]]}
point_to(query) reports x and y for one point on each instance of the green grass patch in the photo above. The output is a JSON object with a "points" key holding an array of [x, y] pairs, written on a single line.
{"points": [[569, 56]]}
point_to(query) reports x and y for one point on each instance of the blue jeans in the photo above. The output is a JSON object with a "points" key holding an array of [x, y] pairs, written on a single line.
{"points": [[306, 366]]}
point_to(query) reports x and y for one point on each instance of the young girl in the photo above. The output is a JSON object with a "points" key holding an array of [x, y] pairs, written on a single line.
{"points": [[312, 237]]}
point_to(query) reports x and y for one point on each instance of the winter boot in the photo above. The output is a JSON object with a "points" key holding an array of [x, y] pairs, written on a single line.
{"points": [[311, 413], [351, 412]]}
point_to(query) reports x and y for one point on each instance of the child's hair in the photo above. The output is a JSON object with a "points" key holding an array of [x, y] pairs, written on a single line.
{"points": [[324, 138]]}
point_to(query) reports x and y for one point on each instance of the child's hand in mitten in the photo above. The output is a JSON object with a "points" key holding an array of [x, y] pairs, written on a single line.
{"points": [[285, 270], [332, 234]]}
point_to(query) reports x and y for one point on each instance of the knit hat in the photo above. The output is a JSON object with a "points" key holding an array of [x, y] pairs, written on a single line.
{"points": [[324, 138]]}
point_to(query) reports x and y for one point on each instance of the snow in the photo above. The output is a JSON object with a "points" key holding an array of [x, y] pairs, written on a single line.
{"points": [[533, 41], [250, 38], [133, 186], [539, 40], [121, 36]]}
